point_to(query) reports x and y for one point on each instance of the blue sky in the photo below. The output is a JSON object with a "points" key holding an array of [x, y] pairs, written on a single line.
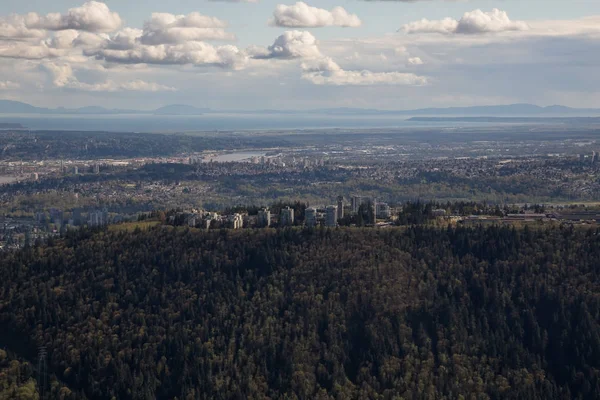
{"points": [[539, 51]]}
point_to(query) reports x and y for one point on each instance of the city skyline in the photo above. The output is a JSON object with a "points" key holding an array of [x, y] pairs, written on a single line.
{"points": [[286, 55]]}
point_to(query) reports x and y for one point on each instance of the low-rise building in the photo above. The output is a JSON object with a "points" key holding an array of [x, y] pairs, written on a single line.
{"points": [[383, 211]]}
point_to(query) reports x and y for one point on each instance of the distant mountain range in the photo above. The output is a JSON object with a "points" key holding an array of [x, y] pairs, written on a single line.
{"points": [[511, 110], [16, 107]]}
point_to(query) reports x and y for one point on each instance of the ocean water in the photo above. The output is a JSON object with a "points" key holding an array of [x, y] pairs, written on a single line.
{"points": [[206, 122]]}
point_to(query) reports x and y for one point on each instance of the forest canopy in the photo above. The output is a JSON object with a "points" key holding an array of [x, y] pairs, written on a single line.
{"points": [[399, 313]]}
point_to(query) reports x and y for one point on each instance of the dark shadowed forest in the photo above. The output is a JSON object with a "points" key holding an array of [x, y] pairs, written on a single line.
{"points": [[403, 313]]}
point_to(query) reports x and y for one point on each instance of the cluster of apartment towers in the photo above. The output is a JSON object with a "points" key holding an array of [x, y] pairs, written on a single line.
{"points": [[330, 217]]}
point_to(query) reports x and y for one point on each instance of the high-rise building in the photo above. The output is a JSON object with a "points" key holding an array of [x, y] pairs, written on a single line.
{"points": [[56, 216], [287, 217], [96, 169], [594, 157], [331, 216], [209, 218], [97, 218], [264, 218], [192, 220], [237, 221], [356, 202], [76, 170], [340, 205], [311, 216], [77, 216]]}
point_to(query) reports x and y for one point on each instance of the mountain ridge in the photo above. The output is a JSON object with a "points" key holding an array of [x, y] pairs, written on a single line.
{"points": [[518, 109]]}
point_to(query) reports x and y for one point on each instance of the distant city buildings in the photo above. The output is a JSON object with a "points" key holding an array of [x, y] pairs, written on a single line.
{"points": [[287, 217], [331, 216], [356, 202], [209, 218], [340, 206], [236, 221], [311, 217], [264, 218], [440, 212], [56, 216], [98, 218], [383, 211], [193, 220]]}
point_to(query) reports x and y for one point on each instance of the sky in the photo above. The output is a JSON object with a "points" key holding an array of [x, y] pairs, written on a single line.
{"points": [[263, 54]]}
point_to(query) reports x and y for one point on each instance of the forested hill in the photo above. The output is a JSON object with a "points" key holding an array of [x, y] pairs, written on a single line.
{"points": [[413, 313]]}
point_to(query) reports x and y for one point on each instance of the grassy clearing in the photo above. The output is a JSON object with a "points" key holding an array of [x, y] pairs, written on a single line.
{"points": [[131, 226]]}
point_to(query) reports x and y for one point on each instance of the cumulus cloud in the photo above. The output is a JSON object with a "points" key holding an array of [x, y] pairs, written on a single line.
{"points": [[290, 45], [90, 40], [93, 16], [29, 51], [301, 15], [62, 39], [328, 72], [15, 27], [169, 39], [194, 53], [415, 61], [166, 28], [63, 77], [471, 23], [9, 85], [127, 38]]}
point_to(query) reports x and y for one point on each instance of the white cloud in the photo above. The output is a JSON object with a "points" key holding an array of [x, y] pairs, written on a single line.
{"points": [[127, 38], [62, 39], [194, 53], [169, 39], [328, 72], [290, 45], [29, 51], [63, 77], [15, 27], [9, 85], [474, 22], [415, 61], [445, 26], [137, 85], [92, 16], [61, 74], [89, 40], [166, 28], [301, 15]]}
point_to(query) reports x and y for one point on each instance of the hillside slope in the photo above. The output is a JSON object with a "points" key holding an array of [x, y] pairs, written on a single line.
{"points": [[328, 314]]}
